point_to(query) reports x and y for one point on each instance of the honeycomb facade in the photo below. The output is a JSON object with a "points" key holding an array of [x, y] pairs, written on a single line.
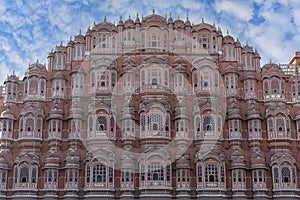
{"points": [[151, 108]]}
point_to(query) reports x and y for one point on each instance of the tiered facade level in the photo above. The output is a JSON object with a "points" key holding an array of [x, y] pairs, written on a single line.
{"points": [[151, 108]]}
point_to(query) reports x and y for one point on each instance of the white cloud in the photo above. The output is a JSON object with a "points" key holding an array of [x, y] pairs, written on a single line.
{"points": [[191, 4], [241, 10]]}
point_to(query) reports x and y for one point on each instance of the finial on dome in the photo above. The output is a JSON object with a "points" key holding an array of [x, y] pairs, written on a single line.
{"points": [[214, 24], [94, 23], [37, 61], [121, 18], [14, 72], [227, 32], [270, 61], [187, 17], [178, 17], [237, 39], [129, 17], [153, 11], [166, 17], [79, 31], [193, 24], [170, 15], [104, 19], [137, 15], [247, 43], [143, 17], [202, 20], [70, 39]]}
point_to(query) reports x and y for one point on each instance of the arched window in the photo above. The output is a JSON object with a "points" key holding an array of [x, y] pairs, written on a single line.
{"points": [[210, 171], [29, 124], [112, 124], [183, 178], [266, 87], [127, 177], [195, 79], [286, 175], [51, 178], [129, 82], [155, 123], [101, 124], [238, 179], [43, 87], [275, 86], [143, 122], [92, 81], [259, 178], [99, 173], [24, 175], [155, 171], [197, 124], [104, 41], [33, 86], [71, 178], [90, 124], [208, 123]]}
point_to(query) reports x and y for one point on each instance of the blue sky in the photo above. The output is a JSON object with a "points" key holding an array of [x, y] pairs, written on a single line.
{"points": [[29, 29]]}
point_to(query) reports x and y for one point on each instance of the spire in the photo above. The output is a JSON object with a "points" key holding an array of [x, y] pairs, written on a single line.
{"points": [[166, 17], [187, 17], [129, 17], [227, 32], [178, 17], [121, 18], [143, 17], [153, 11], [79, 31], [37, 61], [202, 20], [137, 20], [104, 19]]}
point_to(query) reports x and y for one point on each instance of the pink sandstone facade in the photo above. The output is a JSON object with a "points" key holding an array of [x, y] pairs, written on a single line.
{"points": [[151, 108]]}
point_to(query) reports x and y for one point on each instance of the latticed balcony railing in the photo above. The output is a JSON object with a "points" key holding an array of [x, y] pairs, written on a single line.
{"points": [[30, 134], [155, 134], [71, 185], [54, 135], [5, 134]]}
